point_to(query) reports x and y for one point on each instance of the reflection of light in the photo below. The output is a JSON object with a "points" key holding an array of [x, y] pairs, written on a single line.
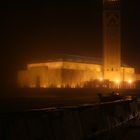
{"points": [[130, 81]]}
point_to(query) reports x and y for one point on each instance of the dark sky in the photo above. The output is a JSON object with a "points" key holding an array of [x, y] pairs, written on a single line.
{"points": [[30, 31]]}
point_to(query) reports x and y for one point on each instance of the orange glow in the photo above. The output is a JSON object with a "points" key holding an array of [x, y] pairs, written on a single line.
{"points": [[73, 86], [117, 81], [71, 75], [44, 86], [75, 71], [130, 81], [101, 79], [58, 86]]}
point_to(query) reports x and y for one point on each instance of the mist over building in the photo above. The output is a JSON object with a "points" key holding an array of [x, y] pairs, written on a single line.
{"points": [[63, 71]]}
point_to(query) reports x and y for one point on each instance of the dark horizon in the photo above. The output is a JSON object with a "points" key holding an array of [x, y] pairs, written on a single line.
{"points": [[33, 30]]}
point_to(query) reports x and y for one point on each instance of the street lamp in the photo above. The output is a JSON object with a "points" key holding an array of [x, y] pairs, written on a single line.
{"points": [[101, 79], [118, 83], [130, 83]]}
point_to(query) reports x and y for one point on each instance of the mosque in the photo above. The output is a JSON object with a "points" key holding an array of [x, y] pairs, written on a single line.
{"points": [[76, 71]]}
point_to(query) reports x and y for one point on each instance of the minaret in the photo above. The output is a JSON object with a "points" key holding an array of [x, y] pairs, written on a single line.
{"points": [[111, 40]]}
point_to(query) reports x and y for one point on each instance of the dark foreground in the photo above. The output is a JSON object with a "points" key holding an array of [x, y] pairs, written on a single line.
{"points": [[70, 114], [133, 132], [103, 121]]}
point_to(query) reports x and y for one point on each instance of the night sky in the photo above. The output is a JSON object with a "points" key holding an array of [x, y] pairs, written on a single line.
{"points": [[30, 31]]}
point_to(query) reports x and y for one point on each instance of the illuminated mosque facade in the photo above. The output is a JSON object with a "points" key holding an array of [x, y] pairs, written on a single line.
{"points": [[77, 71]]}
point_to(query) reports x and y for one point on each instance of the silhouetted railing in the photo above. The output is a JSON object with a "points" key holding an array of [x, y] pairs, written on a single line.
{"points": [[68, 123]]}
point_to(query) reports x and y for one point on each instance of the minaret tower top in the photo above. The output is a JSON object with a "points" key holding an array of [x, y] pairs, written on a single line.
{"points": [[111, 4]]}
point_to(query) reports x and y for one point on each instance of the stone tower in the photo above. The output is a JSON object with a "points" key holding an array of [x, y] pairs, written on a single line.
{"points": [[111, 40]]}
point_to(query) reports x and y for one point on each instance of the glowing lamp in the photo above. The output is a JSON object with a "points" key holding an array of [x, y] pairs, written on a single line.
{"points": [[101, 79], [117, 81], [130, 81]]}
